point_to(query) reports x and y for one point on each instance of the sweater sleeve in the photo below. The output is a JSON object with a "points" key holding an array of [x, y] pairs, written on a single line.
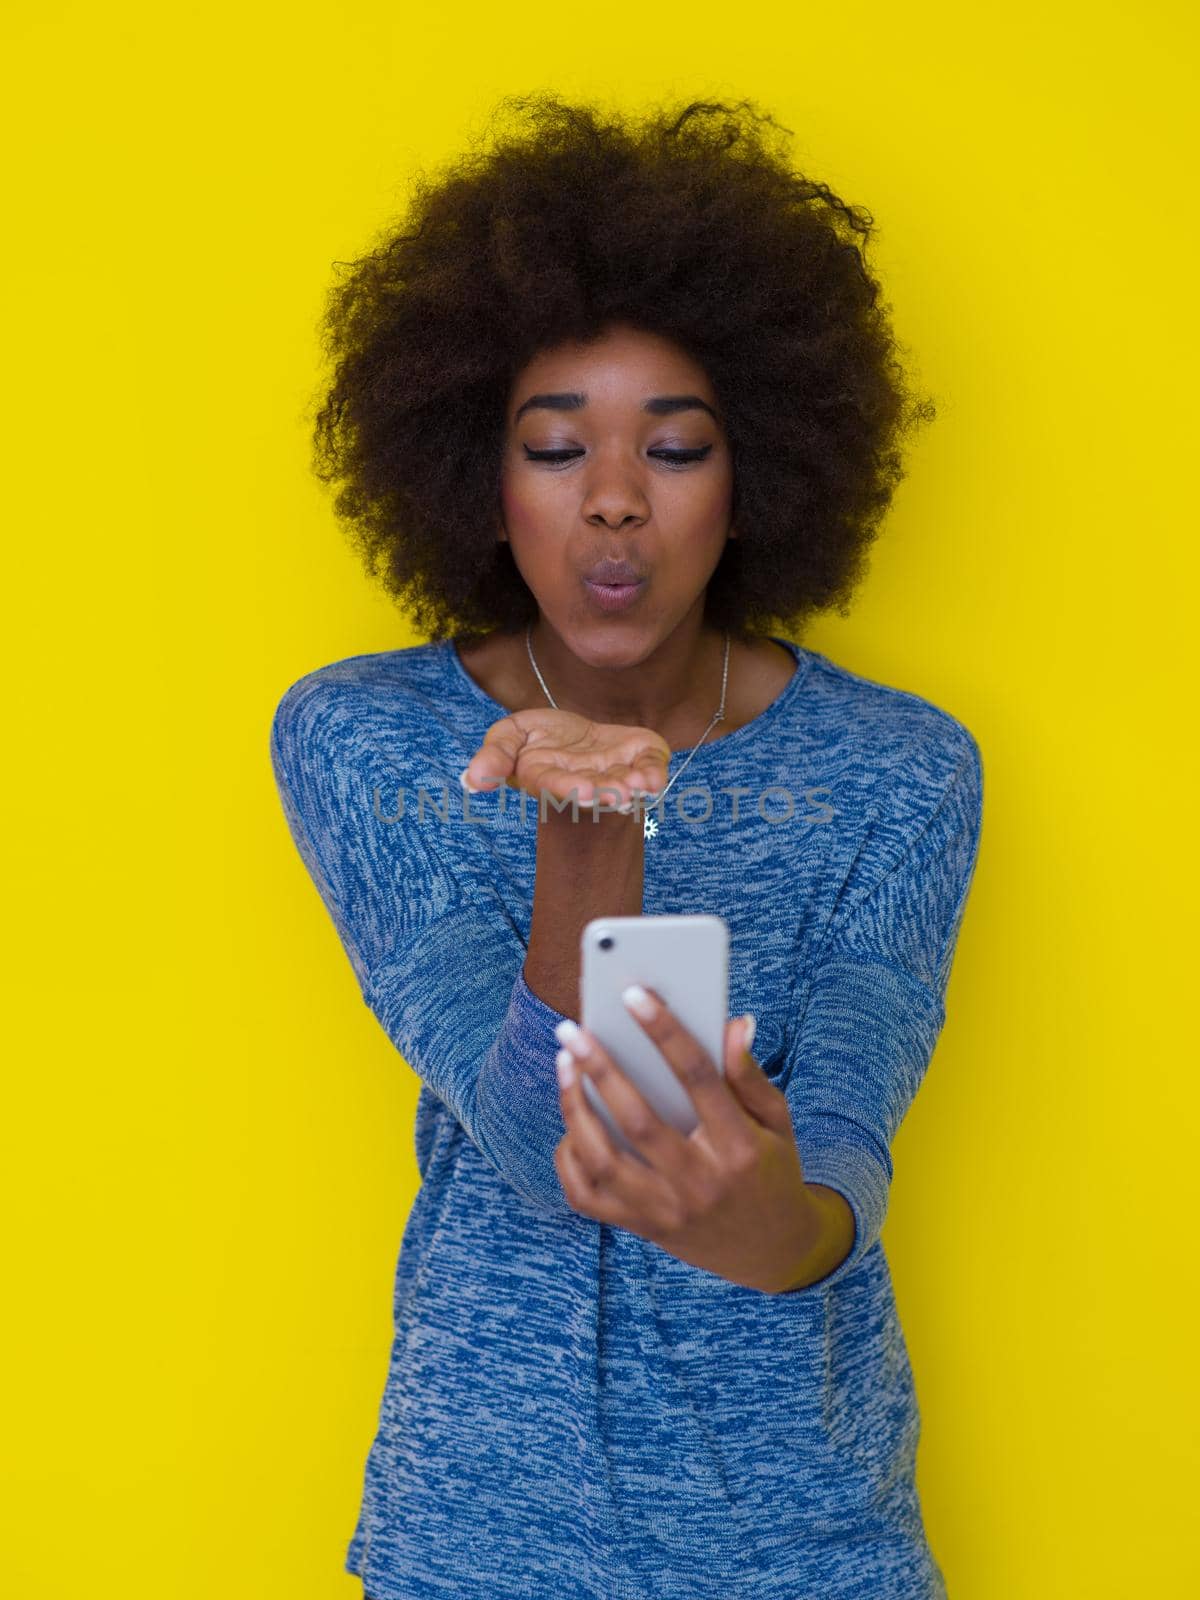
{"points": [[876, 1006], [457, 1007], [437, 957]]}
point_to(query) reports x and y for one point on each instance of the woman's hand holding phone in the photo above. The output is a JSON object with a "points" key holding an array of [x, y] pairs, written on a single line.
{"points": [[729, 1197]]}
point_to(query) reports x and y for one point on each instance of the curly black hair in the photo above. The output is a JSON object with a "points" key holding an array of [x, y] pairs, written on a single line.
{"points": [[689, 224]]}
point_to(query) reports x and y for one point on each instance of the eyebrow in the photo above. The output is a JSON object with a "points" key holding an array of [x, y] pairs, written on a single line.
{"points": [[662, 405]]}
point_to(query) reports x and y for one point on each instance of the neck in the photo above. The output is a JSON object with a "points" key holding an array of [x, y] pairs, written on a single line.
{"points": [[673, 687]]}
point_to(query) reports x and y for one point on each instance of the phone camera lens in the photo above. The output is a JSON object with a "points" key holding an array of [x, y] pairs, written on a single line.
{"points": [[606, 942]]}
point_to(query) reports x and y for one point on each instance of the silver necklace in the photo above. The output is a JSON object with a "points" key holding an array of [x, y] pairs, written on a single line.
{"points": [[649, 823]]}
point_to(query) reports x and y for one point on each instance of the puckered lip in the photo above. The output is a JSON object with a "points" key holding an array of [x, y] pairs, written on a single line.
{"points": [[614, 572]]}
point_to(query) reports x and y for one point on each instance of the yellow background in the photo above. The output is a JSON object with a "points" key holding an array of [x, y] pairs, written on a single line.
{"points": [[209, 1155]]}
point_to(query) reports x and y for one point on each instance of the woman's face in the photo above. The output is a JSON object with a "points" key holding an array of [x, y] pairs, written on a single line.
{"points": [[615, 453]]}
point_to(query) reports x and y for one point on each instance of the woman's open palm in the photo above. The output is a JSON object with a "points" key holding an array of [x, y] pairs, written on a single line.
{"points": [[563, 754]]}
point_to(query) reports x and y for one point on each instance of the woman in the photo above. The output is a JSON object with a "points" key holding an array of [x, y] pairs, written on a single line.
{"points": [[622, 399]]}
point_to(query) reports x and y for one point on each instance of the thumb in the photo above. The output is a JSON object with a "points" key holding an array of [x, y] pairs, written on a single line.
{"points": [[496, 759], [757, 1094]]}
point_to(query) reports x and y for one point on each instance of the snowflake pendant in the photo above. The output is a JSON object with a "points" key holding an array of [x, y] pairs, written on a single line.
{"points": [[649, 826]]}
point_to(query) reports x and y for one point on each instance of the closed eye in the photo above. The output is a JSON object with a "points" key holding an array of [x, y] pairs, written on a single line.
{"points": [[673, 458]]}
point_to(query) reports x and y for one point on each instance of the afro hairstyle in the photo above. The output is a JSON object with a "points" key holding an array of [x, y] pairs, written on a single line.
{"points": [[689, 223]]}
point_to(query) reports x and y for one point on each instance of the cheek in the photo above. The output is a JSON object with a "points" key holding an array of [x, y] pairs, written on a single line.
{"points": [[703, 504], [720, 489], [526, 503]]}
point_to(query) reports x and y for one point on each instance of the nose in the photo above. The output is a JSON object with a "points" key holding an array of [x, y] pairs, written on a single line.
{"points": [[613, 498]]}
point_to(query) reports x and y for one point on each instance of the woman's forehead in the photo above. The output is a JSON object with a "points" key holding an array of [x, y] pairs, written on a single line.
{"points": [[622, 366]]}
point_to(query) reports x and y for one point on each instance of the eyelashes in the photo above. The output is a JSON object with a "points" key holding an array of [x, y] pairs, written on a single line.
{"points": [[672, 458]]}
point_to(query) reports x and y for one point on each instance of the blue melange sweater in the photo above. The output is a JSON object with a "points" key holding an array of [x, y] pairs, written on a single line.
{"points": [[570, 1411]]}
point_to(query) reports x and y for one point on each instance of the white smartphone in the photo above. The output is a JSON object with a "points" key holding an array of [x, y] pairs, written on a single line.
{"points": [[685, 959]]}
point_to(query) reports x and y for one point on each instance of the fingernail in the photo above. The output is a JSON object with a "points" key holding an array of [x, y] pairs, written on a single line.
{"points": [[639, 1002], [749, 1025], [565, 1068], [571, 1034], [474, 788]]}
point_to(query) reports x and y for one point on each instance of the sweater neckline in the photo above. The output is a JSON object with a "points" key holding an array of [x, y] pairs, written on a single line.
{"points": [[768, 715]]}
